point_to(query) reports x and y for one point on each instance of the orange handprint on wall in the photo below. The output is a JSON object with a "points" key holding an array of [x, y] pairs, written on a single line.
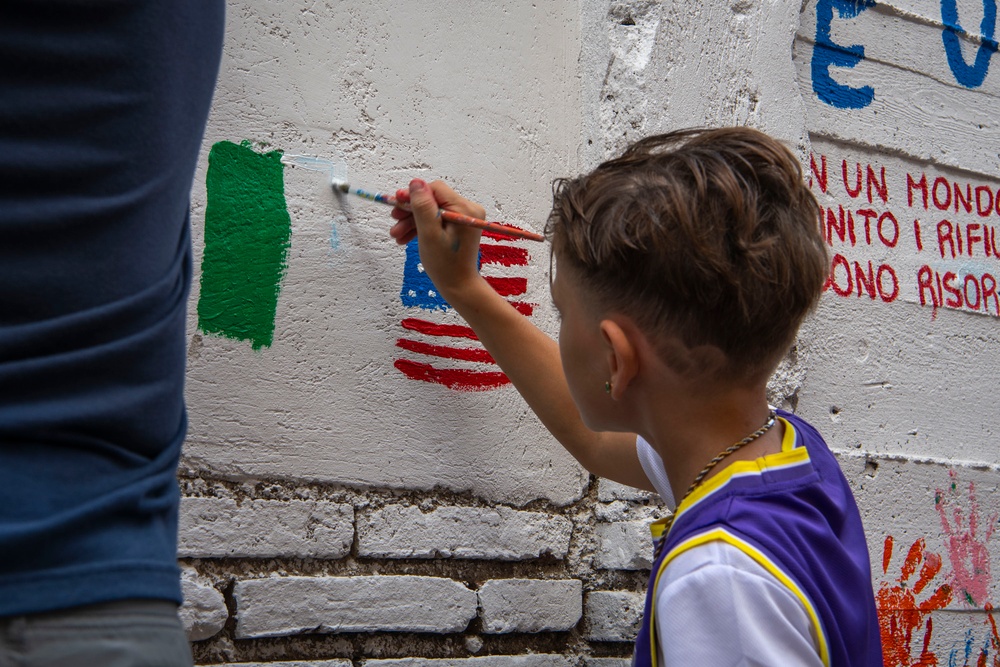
{"points": [[899, 612]]}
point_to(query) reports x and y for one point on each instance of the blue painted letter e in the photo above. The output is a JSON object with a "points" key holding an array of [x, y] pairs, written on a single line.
{"points": [[827, 54]]}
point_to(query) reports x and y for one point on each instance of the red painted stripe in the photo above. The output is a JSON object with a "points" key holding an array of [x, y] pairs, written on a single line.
{"points": [[508, 286], [525, 309], [463, 353], [506, 255], [503, 237], [432, 329], [453, 378]]}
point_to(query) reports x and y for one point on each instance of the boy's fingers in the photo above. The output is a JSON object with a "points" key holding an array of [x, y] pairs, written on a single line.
{"points": [[444, 194], [423, 205], [403, 235], [403, 230], [448, 198], [422, 215]]}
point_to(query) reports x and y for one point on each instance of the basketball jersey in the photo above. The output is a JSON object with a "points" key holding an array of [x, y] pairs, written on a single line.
{"points": [[793, 513]]}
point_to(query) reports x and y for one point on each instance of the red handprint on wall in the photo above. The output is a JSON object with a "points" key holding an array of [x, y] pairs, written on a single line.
{"points": [[899, 612], [966, 543]]}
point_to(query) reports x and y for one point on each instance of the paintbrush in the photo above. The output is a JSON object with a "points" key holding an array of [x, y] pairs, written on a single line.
{"points": [[340, 185]]}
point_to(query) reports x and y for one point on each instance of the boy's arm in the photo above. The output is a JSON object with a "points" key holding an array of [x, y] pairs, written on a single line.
{"points": [[528, 356]]}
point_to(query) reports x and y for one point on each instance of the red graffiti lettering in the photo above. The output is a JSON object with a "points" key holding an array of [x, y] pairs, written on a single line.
{"points": [[955, 298], [886, 240], [868, 215], [987, 210], [887, 294], [881, 188], [821, 176], [989, 284], [925, 281], [865, 280], [946, 204], [838, 287], [842, 225], [920, 186], [857, 184], [977, 292], [880, 282], [965, 292], [966, 200], [975, 234], [945, 234], [845, 227], [971, 236]]}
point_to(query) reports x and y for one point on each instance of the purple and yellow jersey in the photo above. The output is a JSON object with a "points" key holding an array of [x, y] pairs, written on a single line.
{"points": [[793, 513]]}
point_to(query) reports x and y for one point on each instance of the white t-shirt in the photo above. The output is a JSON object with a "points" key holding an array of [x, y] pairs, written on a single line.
{"points": [[715, 605]]}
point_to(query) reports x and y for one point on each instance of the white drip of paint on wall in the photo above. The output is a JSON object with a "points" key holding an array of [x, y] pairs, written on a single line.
{"points": [[334, 236], [337, 169]]}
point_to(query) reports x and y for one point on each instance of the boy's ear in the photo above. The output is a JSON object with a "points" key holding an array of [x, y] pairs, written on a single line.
{"points": [[622, 349]]}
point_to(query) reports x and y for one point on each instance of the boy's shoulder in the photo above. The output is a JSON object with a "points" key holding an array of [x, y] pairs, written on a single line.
{"points": [[798, 497], [794, 516], [821, 457]]}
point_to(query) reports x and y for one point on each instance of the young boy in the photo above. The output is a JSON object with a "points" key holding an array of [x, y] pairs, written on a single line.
{"points": [[682, 271]]}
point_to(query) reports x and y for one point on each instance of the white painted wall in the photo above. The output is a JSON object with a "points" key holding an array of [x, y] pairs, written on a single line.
{"points": [[500, 98], [909, 387], [486, 97]]}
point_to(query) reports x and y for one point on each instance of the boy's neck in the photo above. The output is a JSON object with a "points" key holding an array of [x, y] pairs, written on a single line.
{"points": [[698, 426]]}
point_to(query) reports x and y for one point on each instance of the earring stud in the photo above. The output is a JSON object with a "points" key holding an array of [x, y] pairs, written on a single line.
{"points": [[607, 387]]}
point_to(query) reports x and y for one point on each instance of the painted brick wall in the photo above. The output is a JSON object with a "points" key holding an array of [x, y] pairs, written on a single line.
{"points": [[310, 571]]}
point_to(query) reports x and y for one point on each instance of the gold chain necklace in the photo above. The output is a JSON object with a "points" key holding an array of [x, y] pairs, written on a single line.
{"points": [[711, 464]]}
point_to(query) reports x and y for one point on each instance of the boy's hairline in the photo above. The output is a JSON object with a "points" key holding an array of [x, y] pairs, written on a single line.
{"points": [[728, 373]]}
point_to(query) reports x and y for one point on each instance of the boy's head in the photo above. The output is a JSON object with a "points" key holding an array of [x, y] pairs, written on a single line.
{"points": [[709, 236]]}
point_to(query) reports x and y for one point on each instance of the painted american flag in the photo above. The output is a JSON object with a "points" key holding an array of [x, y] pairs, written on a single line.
{"points": [[434, 346]]}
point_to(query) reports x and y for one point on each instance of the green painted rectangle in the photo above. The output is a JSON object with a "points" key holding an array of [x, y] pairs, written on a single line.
{"points": [[247, 236]]}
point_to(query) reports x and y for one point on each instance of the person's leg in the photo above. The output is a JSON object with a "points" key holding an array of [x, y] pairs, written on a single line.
{"points": [[131, 633]]}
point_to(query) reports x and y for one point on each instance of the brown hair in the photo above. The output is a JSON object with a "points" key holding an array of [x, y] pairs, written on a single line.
{"points": [[708, 235]]}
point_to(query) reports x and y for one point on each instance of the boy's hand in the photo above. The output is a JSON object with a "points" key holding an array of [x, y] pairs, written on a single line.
{"points": [[449, 253]]}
